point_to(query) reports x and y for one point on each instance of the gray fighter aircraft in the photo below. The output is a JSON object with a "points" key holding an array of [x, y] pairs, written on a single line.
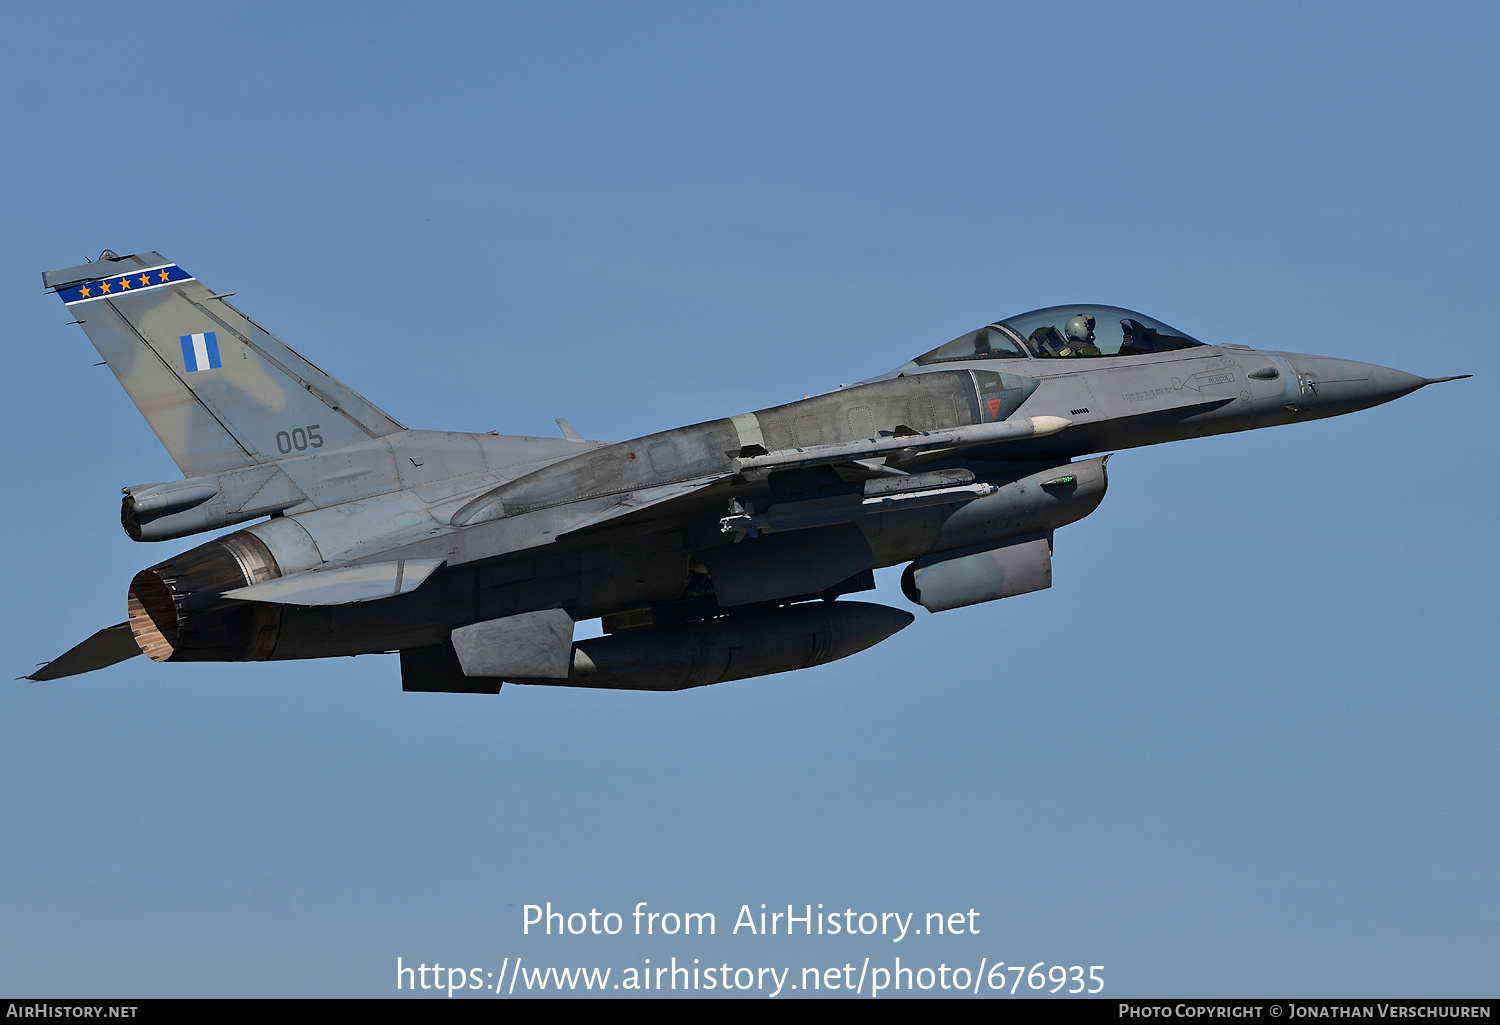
{"points": [[712, 552]]}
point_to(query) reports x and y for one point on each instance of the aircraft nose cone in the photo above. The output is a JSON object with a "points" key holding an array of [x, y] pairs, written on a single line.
{"points": [[1332, 386]]}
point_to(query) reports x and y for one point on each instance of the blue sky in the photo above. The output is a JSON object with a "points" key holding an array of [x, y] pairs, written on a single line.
{"points": [[1244, 746]]}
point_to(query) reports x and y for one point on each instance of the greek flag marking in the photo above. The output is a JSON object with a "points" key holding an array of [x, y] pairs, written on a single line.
{"points": [[201, 352]]}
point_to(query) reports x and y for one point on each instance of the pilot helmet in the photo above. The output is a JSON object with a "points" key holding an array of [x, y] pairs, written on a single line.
{"points": [[1080, 329]]}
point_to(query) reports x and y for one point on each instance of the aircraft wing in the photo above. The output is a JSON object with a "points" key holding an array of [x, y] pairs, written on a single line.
{"points": [[858, 459], [868, 457], [476, 535]]}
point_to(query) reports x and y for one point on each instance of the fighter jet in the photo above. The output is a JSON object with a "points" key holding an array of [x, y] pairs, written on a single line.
{"points": [[714, 552]]}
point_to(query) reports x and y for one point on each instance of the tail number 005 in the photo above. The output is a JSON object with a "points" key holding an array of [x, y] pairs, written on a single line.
{"points": [[299, 439]]}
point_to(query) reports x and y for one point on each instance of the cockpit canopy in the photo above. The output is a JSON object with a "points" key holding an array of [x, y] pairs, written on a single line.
{"points": [[1062, 332]]}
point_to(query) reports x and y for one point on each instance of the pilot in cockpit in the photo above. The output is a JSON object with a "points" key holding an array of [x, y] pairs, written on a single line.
{"points": [[1079, 331], [1076, 338]]}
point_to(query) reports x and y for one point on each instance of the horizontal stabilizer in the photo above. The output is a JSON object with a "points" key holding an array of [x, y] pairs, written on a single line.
{"points": [[342, 585], [108, 646]]}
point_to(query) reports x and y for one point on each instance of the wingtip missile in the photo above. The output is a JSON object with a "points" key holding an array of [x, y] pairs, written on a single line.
{"points": [[907, 443], [1045, 425]]}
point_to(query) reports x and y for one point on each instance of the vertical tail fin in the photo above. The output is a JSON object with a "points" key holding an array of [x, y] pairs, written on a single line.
{"points": [[218, 389]]}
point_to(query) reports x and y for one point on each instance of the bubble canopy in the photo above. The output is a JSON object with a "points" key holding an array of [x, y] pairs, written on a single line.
{"points": [[1064, 332]]}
